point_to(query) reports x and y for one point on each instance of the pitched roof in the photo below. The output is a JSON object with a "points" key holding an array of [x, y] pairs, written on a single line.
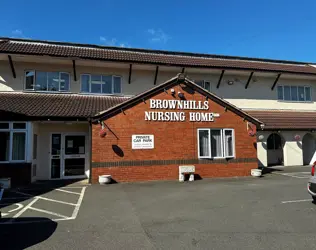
{"points": [[56, 106], [283, 119], [179, 79], [157, 57]]}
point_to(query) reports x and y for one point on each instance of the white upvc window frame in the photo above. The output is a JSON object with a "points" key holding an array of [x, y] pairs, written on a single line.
{"points": [[223, 150], [46, 91], [112, 84], [11, 131], [297, 86]]}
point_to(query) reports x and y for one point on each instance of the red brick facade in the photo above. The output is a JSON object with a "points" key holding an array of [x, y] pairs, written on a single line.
{"points": [[173, 140]]}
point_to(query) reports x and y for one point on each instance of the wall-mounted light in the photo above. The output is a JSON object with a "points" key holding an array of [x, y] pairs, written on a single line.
{"points": [[172, 91], [261, 137], [230, 82]]}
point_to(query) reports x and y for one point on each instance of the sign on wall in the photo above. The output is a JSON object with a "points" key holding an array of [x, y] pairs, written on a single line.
{"points": [[142, 141], [180, 105]]}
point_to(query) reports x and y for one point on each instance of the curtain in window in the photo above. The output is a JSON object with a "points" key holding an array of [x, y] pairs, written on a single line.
{"points": [[228, 142], [85, 82], [204, 142], [117, 84], [18, 146], [216, 143]]}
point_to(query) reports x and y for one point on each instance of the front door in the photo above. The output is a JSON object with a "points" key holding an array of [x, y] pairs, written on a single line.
{"points": [[68, 156]]}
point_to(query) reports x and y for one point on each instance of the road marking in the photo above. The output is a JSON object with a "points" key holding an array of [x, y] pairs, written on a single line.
{"points": [[14, 209], [25, 194], [294, 201], [76, 210], [66, 191], [62, 202], [25, 208], [4, 214], [48, 212]]}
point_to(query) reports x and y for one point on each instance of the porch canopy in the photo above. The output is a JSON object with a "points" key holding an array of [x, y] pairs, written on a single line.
{"points": [[54, 107], [285, 119]]}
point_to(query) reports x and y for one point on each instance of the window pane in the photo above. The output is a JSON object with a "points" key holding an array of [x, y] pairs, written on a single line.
{"points": [[18, 146], [19, 125], [85, 81], [107, 84], [53, 81], [41, 81], [204, 143], [294, 93], [216, 143], [117, 85], [207, 86], [29, 79], [228, 143], [308, 94], [301, 94], [96, 84], [280, 92], [4, 145], [287, 94], [64, 82], [4, 125]]}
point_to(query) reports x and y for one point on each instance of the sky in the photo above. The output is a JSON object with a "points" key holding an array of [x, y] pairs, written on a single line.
{"points": [[275, 29]]}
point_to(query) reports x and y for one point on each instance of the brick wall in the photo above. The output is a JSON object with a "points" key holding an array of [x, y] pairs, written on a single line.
{"points": [[20, 173], [174, 141]]}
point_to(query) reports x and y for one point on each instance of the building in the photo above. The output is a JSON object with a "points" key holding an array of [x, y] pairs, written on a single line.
{"points": [[61, 105]]}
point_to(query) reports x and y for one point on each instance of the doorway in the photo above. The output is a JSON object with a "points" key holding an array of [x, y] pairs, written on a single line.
{"points": [[67, 156]]}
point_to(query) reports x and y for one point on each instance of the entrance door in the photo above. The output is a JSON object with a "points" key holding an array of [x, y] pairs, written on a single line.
{"points": [[68, 156]]}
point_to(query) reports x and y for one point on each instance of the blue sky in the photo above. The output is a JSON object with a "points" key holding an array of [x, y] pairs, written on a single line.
{"points": [[276, 29]]}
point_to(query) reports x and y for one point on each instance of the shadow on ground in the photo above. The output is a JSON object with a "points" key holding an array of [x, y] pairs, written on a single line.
{"points": [[22, 234], [12, 196]]}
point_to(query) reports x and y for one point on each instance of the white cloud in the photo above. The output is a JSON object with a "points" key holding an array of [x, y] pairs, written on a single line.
{"points": [[158, 35], [113, 42], [17, 34]]}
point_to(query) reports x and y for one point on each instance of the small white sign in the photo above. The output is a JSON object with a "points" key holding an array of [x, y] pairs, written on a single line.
{"points": [[142, 141]]}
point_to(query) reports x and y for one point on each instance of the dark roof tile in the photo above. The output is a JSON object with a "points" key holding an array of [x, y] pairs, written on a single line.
{"points": [[31, 47], [56, 105]]}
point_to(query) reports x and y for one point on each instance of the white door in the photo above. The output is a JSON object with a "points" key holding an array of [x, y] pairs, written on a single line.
{"points": [[68, 156]]}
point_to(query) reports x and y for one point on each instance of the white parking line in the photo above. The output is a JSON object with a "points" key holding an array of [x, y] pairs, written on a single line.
{"points": [[48, 212], [66, 191], [62, 202], [295, 201], [75, 213], [296, 175], [25, 208]]}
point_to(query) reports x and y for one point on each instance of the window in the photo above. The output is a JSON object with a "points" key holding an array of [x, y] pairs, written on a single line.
{"points": [[34, 146], [204, 84], [100, 84], [294, 93], [46, 81], [12, 141], [216, 143]]}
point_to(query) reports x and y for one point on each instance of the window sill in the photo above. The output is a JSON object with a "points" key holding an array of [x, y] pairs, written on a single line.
{"points": [[46, 92], [217, 158]]}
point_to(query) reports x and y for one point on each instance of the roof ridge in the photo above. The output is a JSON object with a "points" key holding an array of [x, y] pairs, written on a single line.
{"points": [[156, 52]]}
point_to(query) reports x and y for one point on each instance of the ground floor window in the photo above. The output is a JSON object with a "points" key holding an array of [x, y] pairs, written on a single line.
{"points": [[12, 141], [216, 143]]}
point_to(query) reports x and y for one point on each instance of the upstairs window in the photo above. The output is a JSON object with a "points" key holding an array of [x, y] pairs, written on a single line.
{"points": [[46, 81], [294, 93], [101, 84], [216, 143], [204, 84]]}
